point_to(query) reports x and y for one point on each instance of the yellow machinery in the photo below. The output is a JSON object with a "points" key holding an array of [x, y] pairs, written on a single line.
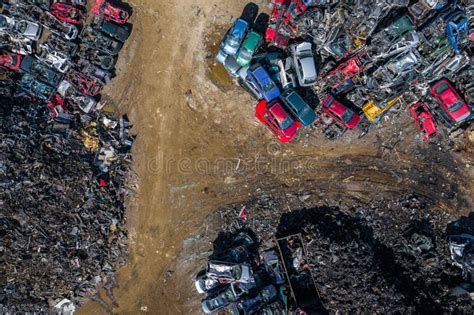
{"points": [[373, 111]]}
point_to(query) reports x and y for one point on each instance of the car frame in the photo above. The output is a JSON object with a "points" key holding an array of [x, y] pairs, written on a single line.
{"points": [[31, 85], [457, 29], [342, 114], [222, 298], [116, 31], [277, 119], [11, 61], [424, 120], [41, 71], [297, 106]]}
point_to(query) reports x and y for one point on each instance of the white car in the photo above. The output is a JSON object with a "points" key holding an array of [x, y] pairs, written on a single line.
{"points": [[303, 61], [55, 59], [408, 42], [287, 78], [24, 28]]}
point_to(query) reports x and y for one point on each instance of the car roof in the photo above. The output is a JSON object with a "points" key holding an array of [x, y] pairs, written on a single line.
{"points": [[239, 28], [261, 75], [308, 67], [252, 40], [277, 111], [337, 108]]}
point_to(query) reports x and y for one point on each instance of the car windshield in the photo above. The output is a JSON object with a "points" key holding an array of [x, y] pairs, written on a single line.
{"points": [[441, 88], [329, 102], [347, 116], [246, 54], [286, 123], [232, 39], [305, 54], [456, 106]]}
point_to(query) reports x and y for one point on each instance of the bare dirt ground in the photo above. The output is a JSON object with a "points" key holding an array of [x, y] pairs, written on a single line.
{"points": [[199, 147]]}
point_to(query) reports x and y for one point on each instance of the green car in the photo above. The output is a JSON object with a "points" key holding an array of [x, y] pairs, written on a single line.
{"points": [[248, 48], [397, 29]]}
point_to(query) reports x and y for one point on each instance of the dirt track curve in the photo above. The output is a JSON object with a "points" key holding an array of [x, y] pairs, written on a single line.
{"points": [[199, 147]]}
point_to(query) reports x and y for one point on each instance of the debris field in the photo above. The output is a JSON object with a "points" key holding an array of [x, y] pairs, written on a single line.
{"points": [[388, 255], [65, 167]]}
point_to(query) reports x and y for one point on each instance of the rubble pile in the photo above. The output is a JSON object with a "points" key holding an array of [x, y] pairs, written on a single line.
{"points": [[342, 65], [65, 162], [62, 218], [386, 256]]}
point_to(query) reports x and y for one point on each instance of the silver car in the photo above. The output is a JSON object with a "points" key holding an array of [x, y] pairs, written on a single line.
{"points": [[24, 28], [303, 61], [55, 59], [407, 42]]}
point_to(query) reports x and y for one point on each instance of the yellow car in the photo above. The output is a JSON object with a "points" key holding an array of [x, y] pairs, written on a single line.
{"points": [[373, 111]]}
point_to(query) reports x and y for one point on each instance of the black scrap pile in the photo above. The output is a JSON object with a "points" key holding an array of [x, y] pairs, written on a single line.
{"points": [[62, 218], [386, 256]]}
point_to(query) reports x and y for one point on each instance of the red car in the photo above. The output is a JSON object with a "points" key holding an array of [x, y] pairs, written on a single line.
{"points": [[67, 13], [10, 61], [340, 113], [275, 117], [424, 120], [85, 84], [450, 101], [109, 12]]}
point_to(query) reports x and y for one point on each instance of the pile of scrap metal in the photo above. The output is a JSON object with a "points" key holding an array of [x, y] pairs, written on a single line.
{"points": [[62, 221], [384, 254], [241, 281], [65, 162], [461, 246], [340, 65], [47, 53]]}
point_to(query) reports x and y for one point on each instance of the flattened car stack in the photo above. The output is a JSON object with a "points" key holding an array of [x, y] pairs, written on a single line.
{"points": [[349, 62]]}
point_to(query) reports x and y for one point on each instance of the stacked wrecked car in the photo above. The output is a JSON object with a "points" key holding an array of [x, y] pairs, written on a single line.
{"points": [[365, 58], [56, 49], [243, 279]]}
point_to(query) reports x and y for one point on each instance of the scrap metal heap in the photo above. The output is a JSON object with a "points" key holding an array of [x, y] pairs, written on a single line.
{"points": [[358, 59], [63, 188], [65, 162], [378, 257]]}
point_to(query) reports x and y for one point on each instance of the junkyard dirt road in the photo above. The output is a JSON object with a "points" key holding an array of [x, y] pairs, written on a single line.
{"points": [[196, 130]]}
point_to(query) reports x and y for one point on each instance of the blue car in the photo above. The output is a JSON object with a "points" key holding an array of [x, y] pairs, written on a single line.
{"points": [[457, 29], [31, 85], [262, 82], [230, 45], [298, 107]]}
